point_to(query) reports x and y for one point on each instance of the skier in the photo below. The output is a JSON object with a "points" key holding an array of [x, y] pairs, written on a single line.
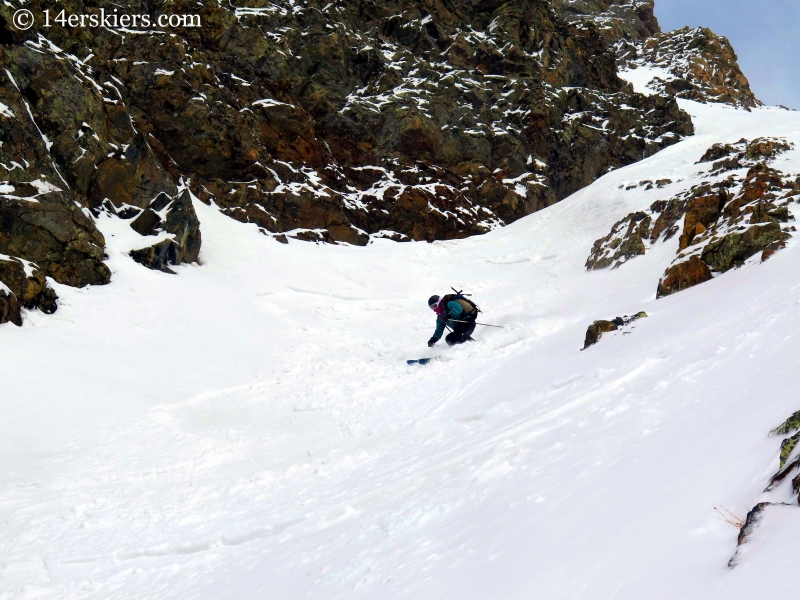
{"points": [[458, 313]]}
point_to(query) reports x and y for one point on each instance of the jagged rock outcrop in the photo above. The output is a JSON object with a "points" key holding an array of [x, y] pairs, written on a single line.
{"points": [[67, 146], [625, 241], [790, 425], [724, 223], [730, 157], [754, 518], [789, 429], [344, 119], [50, 230], [697, 65]]}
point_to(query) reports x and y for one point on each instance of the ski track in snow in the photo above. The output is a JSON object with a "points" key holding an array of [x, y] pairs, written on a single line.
{"points": [[249, 428]]}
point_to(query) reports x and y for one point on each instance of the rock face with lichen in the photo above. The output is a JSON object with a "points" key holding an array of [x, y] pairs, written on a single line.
{"points": [[41, 219], [723, 223]]}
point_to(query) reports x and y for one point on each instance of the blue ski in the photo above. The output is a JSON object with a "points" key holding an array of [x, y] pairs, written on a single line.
{"points": [[419, 361]]}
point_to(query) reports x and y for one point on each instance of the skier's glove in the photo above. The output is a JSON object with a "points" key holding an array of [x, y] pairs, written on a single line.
{"points": [[431, 342]]}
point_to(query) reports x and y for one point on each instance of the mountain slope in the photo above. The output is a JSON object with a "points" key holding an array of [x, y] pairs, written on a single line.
{"points": [[286, 448], [325, 122]]}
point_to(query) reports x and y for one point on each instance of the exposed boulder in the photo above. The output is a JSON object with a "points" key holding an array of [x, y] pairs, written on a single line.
{"points": [[717, 151], [789, 465], [22, 285], [146, 223], [744, 153], [683, 275], [631, 236], [735, 248], [701, 213], [625, 241], [51, 231], [669, 213], [790, 425], [598, 328], [9, 307], [787, 447], [753, 520], [347, 234], [754, 517], [180, 221], [596, 331], [762, 149], [159, 256]]}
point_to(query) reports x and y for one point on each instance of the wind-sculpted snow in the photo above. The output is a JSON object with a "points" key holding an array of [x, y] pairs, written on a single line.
{"points": [[250, 427]]}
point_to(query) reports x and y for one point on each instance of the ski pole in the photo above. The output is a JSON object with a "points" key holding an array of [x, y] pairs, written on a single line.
{"points": [[482, 324]]}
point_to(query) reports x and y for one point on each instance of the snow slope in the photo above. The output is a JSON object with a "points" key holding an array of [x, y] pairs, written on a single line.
{"points": [[249, 427]]}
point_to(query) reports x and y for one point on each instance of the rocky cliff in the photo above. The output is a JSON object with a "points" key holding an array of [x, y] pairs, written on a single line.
{"points": [[326, 121]]}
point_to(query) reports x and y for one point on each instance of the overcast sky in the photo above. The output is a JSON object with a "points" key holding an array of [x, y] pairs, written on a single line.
{"points": [[765, 35]]}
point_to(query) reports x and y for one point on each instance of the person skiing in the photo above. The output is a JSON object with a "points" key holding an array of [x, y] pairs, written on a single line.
{"points": [[456, 312]]}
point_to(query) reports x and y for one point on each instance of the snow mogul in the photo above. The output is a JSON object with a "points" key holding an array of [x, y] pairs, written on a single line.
{"points": [[456, 312]]}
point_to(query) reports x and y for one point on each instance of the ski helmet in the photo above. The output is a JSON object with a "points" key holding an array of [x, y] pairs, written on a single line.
{"points": [[433, 300]]}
